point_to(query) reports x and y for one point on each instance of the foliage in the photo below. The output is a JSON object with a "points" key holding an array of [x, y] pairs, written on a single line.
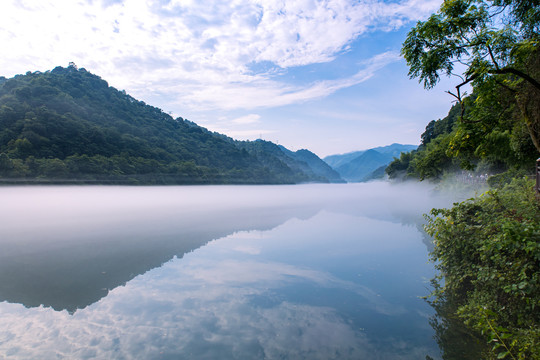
{"points": [[488, 37], [488, 252], [495, 41], [431, 158], [440, 127], [504, 178], [70, 125], [401, 168], [490, 131]]}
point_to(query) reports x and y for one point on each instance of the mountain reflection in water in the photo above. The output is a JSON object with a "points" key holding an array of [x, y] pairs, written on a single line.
{"points": [[310, 271]]}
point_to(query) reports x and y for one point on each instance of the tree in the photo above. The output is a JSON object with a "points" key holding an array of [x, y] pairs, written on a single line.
{"points": [[495, 42]]}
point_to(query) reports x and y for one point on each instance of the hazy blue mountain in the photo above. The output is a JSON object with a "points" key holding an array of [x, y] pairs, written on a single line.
{"points": [[356, 169], [365, 165], [395, 149], [68, 125], [335, 161]]}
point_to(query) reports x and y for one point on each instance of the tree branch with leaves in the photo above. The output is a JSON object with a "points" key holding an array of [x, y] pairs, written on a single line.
{"points": [[481, 41]]}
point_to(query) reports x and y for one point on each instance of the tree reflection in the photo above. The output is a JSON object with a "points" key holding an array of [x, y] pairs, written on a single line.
{"points": [[456, 341]]}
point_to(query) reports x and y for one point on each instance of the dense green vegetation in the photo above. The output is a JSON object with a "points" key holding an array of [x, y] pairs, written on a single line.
{"points": [[488, 253], [497, 127], [487, 138], [431, 160], [70, 125], [487, 249]]}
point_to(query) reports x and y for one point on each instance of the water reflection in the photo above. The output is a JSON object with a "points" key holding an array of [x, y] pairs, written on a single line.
{"points": [[456, 341], [67, 247], [295, 272]]}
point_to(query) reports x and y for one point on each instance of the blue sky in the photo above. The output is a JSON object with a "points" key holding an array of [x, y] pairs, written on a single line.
{"points": [[325, 75]]}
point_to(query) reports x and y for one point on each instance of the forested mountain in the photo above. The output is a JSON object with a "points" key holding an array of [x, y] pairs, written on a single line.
{"points": [[70, 125], [313, 164], [365, 165]]}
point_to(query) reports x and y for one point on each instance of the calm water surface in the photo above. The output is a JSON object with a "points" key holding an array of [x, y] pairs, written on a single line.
{"points": [[215, 272]]}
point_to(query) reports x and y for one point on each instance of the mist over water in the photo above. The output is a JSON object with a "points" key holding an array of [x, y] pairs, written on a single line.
{"points": [[302, 271], [56, 209]]}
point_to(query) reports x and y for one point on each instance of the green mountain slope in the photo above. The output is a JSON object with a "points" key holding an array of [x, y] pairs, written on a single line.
{"points": [[311, 163], [70, 125]]}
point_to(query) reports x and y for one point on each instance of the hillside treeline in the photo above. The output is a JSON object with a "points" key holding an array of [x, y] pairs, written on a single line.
{"points": [[68, 125], [485, 134], [497, 127]]}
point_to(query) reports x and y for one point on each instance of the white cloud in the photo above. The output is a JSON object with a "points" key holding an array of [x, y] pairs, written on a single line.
{"points": [[193, 53], [248, 119], [246, 127], [271, 93]]}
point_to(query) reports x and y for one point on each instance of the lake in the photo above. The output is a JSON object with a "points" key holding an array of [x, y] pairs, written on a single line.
{"points": [[311, 271]]}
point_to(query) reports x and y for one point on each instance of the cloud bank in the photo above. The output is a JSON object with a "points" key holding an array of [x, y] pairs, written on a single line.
{"points": [[211, 54]]}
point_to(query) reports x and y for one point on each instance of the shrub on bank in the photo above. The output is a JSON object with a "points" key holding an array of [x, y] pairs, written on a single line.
{"points": [[487, 251]]}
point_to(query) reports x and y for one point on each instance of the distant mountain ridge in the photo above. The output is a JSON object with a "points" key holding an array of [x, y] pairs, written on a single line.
{"points": [[364, 165], [68, 125]]}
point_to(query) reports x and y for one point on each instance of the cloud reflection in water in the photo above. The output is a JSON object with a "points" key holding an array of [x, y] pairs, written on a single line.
{"points": [[208, 306], [332, 285]]}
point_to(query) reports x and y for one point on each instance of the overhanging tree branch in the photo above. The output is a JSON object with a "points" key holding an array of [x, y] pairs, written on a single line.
{"points": [[494, 41], [516, 72]]}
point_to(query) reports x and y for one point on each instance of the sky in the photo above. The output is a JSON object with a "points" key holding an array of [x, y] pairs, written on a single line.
{"points": [[323, 75]]}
